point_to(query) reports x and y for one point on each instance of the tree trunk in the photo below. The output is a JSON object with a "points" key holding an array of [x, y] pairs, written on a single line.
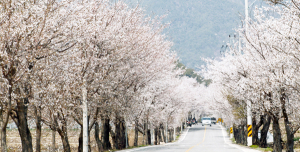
{"points": [[105, 133], [98, 141], [170, 135], [65, 142], [3, 139], [149, 137], [3, 130], [64, 138], [245, 134], [53, 141], [156, 140], [254, 131], [144, 134], [288, 129], [264, 131], [38, 128], [163, 132], [290, 140], [235, 133], [21, 121], [277, 147], [240, 136], [120, 138], [63, 132], [255, 128], [160, 139], [5, 118], [80, 140], [136, 133]]}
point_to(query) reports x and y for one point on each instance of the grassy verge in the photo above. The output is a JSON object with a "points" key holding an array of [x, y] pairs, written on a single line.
{"points": [[256, 147], [232, 140]]}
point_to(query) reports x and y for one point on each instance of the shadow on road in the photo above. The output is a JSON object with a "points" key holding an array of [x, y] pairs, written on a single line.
{"points": [[195, 129], [199, 127]]}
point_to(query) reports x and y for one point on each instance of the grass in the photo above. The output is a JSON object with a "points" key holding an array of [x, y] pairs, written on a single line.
{"points": [[233, 140], [296, 138], [261, 149], [177, 137], [254, 146]]}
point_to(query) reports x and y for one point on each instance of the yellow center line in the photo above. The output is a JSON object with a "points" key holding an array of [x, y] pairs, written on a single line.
{"points": [[199, 143]]}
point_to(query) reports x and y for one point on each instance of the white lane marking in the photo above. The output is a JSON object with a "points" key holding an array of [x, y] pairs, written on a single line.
{"points": [[181, 138], [234, 145]]}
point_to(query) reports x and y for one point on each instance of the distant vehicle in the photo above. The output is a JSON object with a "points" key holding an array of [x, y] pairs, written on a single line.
{"points": [[194, 121], [206, 121], [188, 123], [213, 120]]}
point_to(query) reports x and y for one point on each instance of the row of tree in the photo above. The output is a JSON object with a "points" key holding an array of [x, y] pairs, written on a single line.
{"points": [[264, 69], [52, 51]]}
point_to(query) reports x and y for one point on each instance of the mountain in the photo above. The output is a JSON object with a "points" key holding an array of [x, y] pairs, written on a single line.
{"points": [[198, 28]]}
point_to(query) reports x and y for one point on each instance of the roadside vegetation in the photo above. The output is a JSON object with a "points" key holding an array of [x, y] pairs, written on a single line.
{"points": [[263, 69], [57, 54]]}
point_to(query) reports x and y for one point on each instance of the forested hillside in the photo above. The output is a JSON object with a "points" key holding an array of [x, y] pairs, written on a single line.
{"points": [[198, 27]]}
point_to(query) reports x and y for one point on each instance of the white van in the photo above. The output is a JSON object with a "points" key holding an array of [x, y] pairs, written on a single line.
{"points": [[206, 121]]}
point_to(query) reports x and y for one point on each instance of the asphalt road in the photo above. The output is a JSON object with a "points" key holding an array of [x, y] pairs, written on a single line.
{"points": [[198, 138]]}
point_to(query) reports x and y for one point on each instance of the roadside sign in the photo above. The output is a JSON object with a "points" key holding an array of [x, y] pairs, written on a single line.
{"points": [[249, 130]]}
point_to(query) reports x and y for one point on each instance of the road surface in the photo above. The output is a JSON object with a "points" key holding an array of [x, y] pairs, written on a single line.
{"points": [[198, 139]]}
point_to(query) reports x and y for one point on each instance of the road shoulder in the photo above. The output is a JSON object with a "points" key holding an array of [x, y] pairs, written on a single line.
{"points": [[229, 142], [181, 138]]}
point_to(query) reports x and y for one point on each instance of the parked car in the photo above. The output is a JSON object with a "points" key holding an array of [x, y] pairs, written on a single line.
{"points": [[206, 121], [213, 120]]}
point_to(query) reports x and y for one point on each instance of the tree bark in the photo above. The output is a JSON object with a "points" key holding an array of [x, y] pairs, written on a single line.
{"points": [[80, 140], [38, 128], [245, 134], [241, 134], [264, 131], [156, 140], [160, 139], [255, 128], [147, 134], [120, 138], [163, 132], [64, 138], [136, 133], [3, 139], [53, 141], [5, 119], [277, 147], [235, 133], [105, 134], [98, 141], [288, 129], [21, 121], [148, 137], [170, 135], [3, 130]]}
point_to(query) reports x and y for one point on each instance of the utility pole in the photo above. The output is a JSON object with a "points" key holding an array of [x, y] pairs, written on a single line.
{"points": [[85, 117], [249, 117]]}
